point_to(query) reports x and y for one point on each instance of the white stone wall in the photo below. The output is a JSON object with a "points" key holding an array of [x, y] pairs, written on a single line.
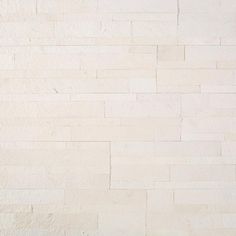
{"points": [[117, 118]]}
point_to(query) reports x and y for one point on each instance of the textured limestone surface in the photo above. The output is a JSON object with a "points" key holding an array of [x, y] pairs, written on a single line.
{"points": [[117, 117]]}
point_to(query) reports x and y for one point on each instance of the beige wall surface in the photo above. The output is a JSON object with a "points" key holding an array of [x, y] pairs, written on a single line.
{"points": [[117, 118]]}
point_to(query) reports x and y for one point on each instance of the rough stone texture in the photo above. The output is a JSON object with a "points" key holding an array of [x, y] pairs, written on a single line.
{"points": [[117, 118]]}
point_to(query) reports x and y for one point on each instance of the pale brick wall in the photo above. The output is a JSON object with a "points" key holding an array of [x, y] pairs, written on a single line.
{"points": [[117, 118]]}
